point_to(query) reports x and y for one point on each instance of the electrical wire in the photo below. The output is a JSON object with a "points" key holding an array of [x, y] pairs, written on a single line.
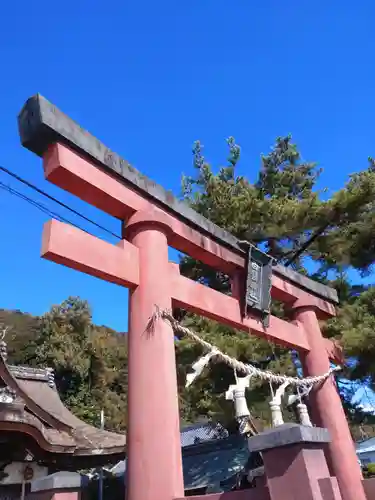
{"points": [[55, 200], [39, 206], [292, 259]]}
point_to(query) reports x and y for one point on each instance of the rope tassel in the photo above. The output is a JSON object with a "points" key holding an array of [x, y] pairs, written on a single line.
{"points": [[237, 393], [296, 401], [275, 404], [303, 414], [198, 367]]}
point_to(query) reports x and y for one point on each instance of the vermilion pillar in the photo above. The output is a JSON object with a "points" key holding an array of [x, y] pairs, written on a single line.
{"points": [[327, 410], [154, 464]]}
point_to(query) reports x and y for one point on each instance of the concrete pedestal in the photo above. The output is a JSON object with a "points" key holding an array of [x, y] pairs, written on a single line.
{"points": [[58, 486], [295, 463]]}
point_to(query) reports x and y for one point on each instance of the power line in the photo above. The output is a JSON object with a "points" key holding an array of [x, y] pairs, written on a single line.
{"points": [[43, 208], [55, 200], [39, 206]]}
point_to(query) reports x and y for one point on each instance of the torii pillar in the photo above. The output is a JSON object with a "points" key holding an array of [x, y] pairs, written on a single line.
{"points": [[326, 407], [154, 465], [153, 219]]}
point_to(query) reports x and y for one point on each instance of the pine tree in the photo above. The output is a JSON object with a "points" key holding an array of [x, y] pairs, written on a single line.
{"points": [[281, 212]]}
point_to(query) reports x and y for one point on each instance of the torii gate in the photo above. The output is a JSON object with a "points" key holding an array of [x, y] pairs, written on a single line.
{"points": [[153, 219]]}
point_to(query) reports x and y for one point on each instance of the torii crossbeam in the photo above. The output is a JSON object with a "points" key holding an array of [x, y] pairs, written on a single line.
{"points": [[153, 219]]}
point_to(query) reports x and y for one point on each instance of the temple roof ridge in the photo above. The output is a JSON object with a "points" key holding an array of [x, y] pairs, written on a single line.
{"points": [[33, 373], [30, 404]]}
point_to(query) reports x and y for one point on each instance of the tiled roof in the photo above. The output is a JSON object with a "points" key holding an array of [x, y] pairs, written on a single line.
{"points": [[216, 464], [203, 432], [367, 443], [211, 463], [366, 446], [30, 400]]}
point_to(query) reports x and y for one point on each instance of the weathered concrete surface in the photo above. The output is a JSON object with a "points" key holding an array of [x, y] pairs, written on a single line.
{"points": [[58, 481], [287, 435]]}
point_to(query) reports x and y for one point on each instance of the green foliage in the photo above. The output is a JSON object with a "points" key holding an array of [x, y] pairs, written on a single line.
{"points": [[22, 331], [90, 362], [281, 211], [283, 207], [355, 326], [368, 471]]}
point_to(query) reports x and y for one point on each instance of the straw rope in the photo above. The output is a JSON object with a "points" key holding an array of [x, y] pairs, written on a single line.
{"points": [[234, 363]]}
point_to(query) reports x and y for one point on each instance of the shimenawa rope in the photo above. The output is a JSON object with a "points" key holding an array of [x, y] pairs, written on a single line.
{"points": [[234, 363]]}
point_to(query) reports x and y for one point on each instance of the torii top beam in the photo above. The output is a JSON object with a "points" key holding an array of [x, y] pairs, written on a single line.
{"points": [[42, 124], [78, 162]]}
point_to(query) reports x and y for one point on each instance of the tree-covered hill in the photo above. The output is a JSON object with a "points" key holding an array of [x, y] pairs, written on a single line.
{"points": [[90, 362]]}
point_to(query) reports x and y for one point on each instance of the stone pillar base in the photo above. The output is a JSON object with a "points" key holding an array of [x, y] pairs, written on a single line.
{"points": [[295, 463], [58, 486]]}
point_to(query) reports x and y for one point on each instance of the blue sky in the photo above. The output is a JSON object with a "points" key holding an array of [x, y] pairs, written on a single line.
{"points": [[149, 78]]}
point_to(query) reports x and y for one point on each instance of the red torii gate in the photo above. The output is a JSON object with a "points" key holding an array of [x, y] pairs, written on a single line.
{"points": [[153, 219]]}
